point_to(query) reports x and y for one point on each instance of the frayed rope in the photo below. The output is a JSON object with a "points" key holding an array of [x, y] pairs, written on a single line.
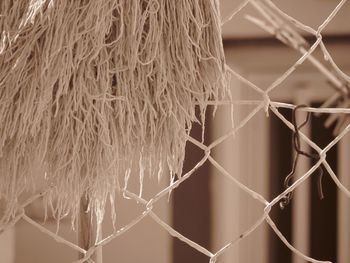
{"points": [[88, 86]]}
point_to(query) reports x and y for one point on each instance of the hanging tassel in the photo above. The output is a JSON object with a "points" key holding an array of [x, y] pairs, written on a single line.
{"points": [[88, 86]]}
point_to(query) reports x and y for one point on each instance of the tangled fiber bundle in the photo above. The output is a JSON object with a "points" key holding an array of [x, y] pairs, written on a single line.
{"points": [[89, 86]]}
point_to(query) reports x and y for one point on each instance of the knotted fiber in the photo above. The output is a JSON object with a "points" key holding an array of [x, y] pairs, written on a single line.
{"points": [[88, 86]]}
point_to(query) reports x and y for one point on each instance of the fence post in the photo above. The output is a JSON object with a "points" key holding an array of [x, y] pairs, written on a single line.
{"points": [[87, 231]]}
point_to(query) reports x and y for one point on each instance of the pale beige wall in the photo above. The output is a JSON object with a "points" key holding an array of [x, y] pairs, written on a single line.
{"points": [[146, 242], [310, 12], [7, 245]]}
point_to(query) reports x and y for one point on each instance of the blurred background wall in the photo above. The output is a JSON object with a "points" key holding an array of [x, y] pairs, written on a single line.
{"points": [[208, 208]]}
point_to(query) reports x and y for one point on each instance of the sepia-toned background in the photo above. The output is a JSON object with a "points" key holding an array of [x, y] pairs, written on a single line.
{"points": [[206, 208]]}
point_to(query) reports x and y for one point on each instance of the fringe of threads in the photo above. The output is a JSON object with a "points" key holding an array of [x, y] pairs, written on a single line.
{"points": [[86, 87]]}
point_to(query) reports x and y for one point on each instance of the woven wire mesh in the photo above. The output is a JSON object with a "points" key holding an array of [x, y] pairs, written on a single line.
{"points": [[286, 29]]}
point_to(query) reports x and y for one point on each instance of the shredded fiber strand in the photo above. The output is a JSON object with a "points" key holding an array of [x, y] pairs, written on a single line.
{"points": [[86, 87]]}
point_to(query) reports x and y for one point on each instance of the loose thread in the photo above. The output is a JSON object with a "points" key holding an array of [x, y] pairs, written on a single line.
{"points": [[297, 148]]}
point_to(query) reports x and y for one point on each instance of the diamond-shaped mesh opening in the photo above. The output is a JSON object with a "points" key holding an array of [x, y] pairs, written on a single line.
{"points": [[147, 213]]}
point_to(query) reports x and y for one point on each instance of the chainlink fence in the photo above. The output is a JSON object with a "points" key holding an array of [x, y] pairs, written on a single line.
{"points": [[291, 32]]}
